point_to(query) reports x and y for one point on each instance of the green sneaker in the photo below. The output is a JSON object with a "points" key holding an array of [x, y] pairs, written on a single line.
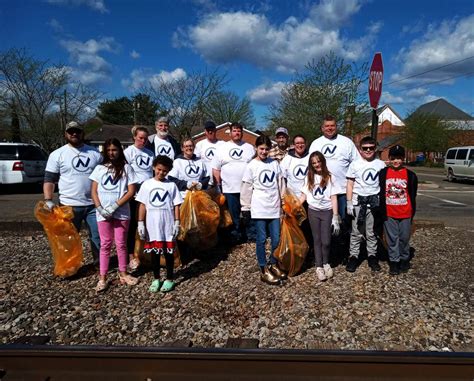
{"points": [[155, 285], [168, 285]]}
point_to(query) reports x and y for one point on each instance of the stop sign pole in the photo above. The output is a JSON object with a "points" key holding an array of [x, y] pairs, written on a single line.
{"points": [[375, 89]]}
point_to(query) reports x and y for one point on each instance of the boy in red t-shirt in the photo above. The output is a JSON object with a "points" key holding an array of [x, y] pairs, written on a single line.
{"points": [[398, 187]]}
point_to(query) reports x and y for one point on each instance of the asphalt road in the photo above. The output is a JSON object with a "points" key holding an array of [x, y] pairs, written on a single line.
{"points": [[438, 200]]}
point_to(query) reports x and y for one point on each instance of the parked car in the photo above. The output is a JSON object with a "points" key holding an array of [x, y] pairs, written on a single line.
{"points": [[459, 163], [21, 163]]}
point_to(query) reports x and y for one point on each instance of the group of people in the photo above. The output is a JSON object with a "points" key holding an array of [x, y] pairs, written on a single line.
{"points": [[347, 192]]}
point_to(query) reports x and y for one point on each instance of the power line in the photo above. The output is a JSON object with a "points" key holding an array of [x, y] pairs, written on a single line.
{"points": [[429, 71]]}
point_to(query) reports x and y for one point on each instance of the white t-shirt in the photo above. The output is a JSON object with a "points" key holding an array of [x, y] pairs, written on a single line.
{"points": [[319, 198], [188, 170], [366, 177], [74, 166], [339, 153], [294, 170], [206, 151], [159, 198], [231, 159], [110, 190], [164, 147], [141, 161], [264, 175]]}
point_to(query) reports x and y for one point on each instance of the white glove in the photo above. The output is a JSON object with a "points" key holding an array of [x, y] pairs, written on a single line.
{"points": [[335, 224], [189, 184], [111, 209], [198, 186], [176, 229], [103, 212], [49, 204], [350, 208], [141, 230]]}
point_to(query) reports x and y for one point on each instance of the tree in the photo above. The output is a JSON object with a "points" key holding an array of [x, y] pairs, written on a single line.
{"points": [[184, 99], [225, 106], [139, 109], [426, 133], [329, 86], [37, 92]]}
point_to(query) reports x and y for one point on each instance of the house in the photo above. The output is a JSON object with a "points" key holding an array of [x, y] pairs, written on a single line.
{"points": [[123, 133], [223, 133]]}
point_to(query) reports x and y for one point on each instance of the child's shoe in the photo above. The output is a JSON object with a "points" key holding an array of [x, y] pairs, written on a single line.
{"points": [[352, 264], [155, 285], [128, 280], [168, 285], [133, 265], [320, 273], [328, 271], [101, 285], [373, 263]]}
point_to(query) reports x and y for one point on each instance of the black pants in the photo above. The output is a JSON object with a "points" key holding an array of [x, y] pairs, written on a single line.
{"points": [[169, 260]]}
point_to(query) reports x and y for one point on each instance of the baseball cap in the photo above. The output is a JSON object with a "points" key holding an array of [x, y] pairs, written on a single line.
{"points": [[209, 125], [396, 151], [74, 125], [281, 130]]}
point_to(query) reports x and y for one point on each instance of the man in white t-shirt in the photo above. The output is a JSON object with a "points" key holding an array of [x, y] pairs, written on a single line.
{"points": [[206, 149], [71, 166], [228, 167], [162, 143]]}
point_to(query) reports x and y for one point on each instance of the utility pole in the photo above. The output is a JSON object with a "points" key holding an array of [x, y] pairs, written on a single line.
{"points": [[65, 109]]}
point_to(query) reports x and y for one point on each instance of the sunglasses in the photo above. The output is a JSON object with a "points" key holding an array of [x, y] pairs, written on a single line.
{"points": [[369, 148], [73, 131]]}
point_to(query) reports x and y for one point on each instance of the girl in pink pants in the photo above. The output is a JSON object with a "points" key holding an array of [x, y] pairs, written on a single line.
{"points": [[113, 185]]}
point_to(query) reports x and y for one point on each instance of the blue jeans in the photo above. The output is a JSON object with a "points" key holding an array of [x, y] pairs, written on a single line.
{"points": [[87, 214], [261, 225], [233, 203], [342, 205]]}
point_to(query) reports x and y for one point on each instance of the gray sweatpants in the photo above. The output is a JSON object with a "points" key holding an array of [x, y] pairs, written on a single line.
{"points": [[364, 231], [397, 233], [320, 222]]}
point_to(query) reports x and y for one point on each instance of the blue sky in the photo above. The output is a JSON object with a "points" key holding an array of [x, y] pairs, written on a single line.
{"points": [[119, 45]]}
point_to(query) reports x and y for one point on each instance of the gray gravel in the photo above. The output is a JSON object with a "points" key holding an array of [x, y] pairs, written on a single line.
{"points": [[221, 297]]}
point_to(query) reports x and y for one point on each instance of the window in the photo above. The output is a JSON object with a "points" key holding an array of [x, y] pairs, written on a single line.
{"points": [[471, 154], [462, 154], [31, 153], [8, 153], [451, 154]]}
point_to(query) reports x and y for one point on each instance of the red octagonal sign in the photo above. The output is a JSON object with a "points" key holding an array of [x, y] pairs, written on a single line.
{"points": [[375, 80]]}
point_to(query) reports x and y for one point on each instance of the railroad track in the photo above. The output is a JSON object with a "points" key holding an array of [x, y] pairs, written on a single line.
{"points": [[51, 363]]}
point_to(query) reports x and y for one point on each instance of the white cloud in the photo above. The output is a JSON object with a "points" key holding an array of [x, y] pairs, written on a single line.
{"points": [[140, 78], [55, 25], [418, 92], [134, 54], [442, 44], [91, 66], [266, 94], [251, 37], [390, 98], [96, 5]]}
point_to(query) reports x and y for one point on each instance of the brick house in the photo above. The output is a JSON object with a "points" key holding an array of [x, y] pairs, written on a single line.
{"points": [[223, 133]]}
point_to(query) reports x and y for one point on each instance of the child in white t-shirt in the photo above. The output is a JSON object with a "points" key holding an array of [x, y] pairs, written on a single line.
{"points": [[321, 194], [113, 185], [260, 197], [158, 220]]}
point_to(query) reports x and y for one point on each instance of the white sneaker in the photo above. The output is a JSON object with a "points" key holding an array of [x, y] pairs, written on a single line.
{"points": [[320, 273], [328, 270]]}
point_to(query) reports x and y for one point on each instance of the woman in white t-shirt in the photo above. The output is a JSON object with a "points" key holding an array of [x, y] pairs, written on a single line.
{"points": [[260, 198], [319, 192], [113, 185]]}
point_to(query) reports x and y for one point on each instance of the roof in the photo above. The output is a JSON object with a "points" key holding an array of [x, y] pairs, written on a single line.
{"points": [[380, 110], [444, 110], [388, 141], [225, 125], [106, 131]]}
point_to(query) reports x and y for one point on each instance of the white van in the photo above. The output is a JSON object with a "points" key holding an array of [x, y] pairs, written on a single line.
{"points": [[21, 163], [459, 163]]}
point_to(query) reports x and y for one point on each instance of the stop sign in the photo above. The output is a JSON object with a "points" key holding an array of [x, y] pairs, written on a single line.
{"points": [[375, 80]]}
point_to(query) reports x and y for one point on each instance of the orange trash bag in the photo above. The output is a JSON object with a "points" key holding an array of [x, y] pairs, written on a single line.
{"points": [[64, 240], [293, 207], [292, 249], [225, 219], [199, 220]]}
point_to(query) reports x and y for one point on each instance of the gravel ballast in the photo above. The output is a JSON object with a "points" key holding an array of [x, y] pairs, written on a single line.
{"points": [[220, 296]]}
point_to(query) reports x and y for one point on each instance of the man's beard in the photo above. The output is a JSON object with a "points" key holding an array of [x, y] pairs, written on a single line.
{"points": [[162, 134], [77, 143]]}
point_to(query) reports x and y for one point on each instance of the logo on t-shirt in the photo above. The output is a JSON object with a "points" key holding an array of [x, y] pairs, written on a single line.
{"points": [[319, 192], [209, 154], [236, 153], [267, 178], [300, 171], [370, 176], [143, 161], [163, 149], [158, 197], [192, 170], [108, 182], [81, 163], [328, 150]]}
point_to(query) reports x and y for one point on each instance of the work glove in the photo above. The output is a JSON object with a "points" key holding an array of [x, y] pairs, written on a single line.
{"points": [[49, 204], [141, 230], [111, 209], [246, 217], [176, 229], [189, 184], [350, 208], [336, 224], [198, 186], [103, 212]]}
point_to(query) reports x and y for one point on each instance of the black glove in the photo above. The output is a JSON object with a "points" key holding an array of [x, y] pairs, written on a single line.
{"points": [[246, 217]]}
